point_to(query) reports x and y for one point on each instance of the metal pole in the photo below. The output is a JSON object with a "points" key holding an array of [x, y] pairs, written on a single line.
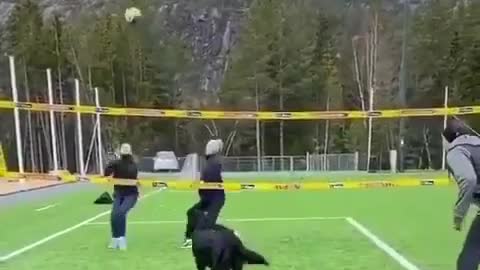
{"points": [[327, 135], [257, 131], [79, 130], [356, 161], [403, 85], [90, 148], [52, 122], [257, 128], [99, 133], [445, 117], [16, 114], [370, 126], [307, 161]]}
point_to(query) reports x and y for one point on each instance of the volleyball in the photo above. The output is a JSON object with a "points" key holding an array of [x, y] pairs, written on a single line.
{"points": [[132, 13]]}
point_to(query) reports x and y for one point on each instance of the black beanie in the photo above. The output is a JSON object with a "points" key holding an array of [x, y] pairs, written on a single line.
{"points": [[454, 129]]}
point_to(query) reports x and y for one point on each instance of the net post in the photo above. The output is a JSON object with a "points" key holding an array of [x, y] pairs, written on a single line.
{"points": [[79, 129], [257, 138], [90, 148], [196, 171], [444, 151], [370, 129], [355, 161], [393, 161], [369, 145], [52, 121], [99, 133], [16, 114], [307, 161], [339, 162]]}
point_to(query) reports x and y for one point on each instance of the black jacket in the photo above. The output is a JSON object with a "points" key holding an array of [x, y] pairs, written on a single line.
{"points": [[123, 168], [212, 173]]}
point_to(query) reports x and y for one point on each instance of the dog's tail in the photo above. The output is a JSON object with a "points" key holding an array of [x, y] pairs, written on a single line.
{"points": [[252, 257]]}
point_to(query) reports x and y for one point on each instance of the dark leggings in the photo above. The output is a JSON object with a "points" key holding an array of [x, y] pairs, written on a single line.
{"points": [[469, 257], [118, 218], [203, 214]]}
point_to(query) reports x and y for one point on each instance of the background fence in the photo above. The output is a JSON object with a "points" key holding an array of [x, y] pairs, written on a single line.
{"points": [[308, 162]]}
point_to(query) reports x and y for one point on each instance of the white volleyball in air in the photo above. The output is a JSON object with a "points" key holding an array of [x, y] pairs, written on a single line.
{"points": [[132, 14]]}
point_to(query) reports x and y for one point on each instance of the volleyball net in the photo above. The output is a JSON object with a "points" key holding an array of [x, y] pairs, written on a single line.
{"points": [[80, 129]]}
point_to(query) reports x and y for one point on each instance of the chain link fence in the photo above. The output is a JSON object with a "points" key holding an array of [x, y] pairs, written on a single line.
{"points": [[334, 162], [308, 162]]}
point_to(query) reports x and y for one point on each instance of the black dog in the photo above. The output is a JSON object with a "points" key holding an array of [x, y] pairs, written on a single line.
{"points": [[219, 248]]}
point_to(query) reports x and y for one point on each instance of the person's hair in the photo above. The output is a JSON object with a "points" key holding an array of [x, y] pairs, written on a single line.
{"points": [[454, 129]]}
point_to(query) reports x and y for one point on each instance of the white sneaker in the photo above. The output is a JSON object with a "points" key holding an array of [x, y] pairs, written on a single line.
{"points": [[122, 243], [113, 243], [187, 243]]}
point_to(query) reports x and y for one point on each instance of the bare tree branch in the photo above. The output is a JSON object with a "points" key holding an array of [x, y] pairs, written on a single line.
{"points": [[209, 130], [231, 138]]}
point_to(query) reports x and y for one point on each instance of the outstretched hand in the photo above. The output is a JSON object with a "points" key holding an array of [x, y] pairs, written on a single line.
{"points": [[457, 223]]}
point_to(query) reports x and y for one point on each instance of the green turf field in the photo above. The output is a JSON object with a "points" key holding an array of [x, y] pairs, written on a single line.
{"points": [[295, 230]]}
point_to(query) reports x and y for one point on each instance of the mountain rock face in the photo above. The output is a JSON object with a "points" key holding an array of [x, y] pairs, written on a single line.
{"points": [[63, 7], [209, 26], [5, 9]]}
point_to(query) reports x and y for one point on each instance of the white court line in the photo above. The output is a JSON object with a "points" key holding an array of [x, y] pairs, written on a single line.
{"points": [[362, 229], [60, 233], [46, 207], [382, 245], [152, 222]]}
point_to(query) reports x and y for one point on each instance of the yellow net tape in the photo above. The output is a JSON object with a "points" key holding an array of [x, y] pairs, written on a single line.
{"points": [[246, 115], [320, 184], [3, 163], [272, 186]]}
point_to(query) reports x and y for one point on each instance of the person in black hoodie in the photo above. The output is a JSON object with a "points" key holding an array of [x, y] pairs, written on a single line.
{"points": [[211, 200], [125, 197]]}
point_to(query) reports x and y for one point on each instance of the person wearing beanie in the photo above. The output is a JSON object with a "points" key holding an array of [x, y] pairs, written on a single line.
{"points": [[125, 197], [463, 160], [211, 200]]}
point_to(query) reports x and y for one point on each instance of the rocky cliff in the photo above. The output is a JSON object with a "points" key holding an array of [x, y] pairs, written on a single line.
{"points": [[210, 26]]}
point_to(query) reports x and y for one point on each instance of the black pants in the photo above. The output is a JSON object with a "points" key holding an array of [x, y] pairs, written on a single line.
{"points": [[204, 214], [469, 257], [118, 218]]}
